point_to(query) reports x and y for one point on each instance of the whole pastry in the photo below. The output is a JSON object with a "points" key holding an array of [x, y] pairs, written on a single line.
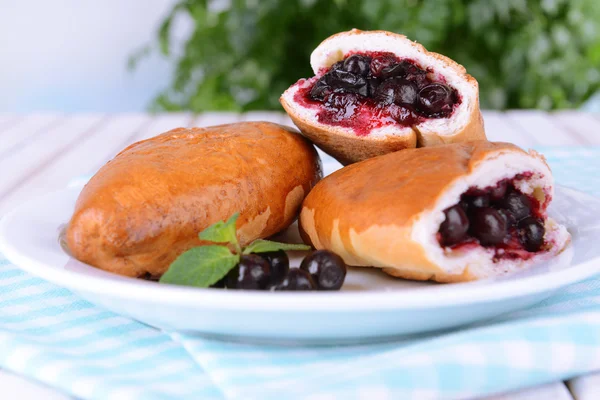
{"points": [[449, 213], [376, 92], [147, 205]]}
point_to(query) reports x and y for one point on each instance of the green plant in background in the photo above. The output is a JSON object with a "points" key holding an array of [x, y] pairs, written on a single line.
{"points": [[524, 53]]}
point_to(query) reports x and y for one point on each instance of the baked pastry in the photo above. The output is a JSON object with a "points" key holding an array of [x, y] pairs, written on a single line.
{"points": [[376, 92], [448, 213], [148, 204]]}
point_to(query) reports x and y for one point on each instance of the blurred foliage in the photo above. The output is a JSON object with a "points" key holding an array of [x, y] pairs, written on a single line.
{"points": [[524, 53]]}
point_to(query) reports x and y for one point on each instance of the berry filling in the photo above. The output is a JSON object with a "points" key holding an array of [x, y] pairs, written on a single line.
{"points": [[499, 217], [370, 90]]}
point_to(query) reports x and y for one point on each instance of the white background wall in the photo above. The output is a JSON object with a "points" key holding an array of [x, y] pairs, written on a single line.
{"points": [[71, 55]]}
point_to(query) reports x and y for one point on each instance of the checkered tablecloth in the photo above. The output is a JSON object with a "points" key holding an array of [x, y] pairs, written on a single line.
{"points": [[50, 334]]}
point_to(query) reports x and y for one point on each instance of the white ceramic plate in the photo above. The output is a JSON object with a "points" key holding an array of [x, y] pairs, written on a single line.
{"points": [[371, 306]]}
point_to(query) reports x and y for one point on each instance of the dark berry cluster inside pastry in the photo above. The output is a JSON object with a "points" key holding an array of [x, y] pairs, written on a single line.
{"points": [[499, 217], [370, 90]]}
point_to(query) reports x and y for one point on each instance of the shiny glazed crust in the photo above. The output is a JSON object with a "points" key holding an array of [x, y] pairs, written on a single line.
{"points": [[347, 147], [147, 205], [368, 212]]}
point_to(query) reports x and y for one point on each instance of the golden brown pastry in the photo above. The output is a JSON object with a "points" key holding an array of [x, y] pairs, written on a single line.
{"points": [[376, 92], [448, 213], [147, 205]]}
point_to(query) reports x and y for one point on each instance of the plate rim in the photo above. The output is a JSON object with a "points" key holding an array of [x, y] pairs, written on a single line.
{"points": [[445, 295]]}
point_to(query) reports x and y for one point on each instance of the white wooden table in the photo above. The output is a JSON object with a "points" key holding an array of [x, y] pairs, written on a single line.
{"points": [[43, 152]]}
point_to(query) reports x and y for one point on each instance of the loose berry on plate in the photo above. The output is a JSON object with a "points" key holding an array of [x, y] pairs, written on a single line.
{"points": [[280, 265], [220, 284], [252, 273], [296, 279], [326, 268]]}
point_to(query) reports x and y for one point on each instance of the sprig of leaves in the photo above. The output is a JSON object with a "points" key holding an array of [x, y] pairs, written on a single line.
{"points": [[266, 246], [201, 266], [204, 266], [222, 232]]}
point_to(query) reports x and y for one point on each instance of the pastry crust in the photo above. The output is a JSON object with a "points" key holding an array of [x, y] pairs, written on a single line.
{"points": [[385, 212], [147, 205], [465, 124], [472, 131], [346, 147]]}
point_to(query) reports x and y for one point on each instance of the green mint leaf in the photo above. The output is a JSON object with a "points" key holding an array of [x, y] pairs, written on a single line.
{"points": [[264, 246], [221, 232], [201, 266]]}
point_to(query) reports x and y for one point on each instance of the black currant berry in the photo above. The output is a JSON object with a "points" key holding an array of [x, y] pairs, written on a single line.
{"points": [[296, 279], [252, 273], [326, 268]]}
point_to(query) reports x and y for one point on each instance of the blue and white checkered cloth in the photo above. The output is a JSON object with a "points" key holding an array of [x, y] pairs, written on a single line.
{"points": [[50, 334]]}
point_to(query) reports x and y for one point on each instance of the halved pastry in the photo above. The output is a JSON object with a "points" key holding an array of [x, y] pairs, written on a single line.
{"points": [[147, 205], [375, 92], [449, 213]]}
